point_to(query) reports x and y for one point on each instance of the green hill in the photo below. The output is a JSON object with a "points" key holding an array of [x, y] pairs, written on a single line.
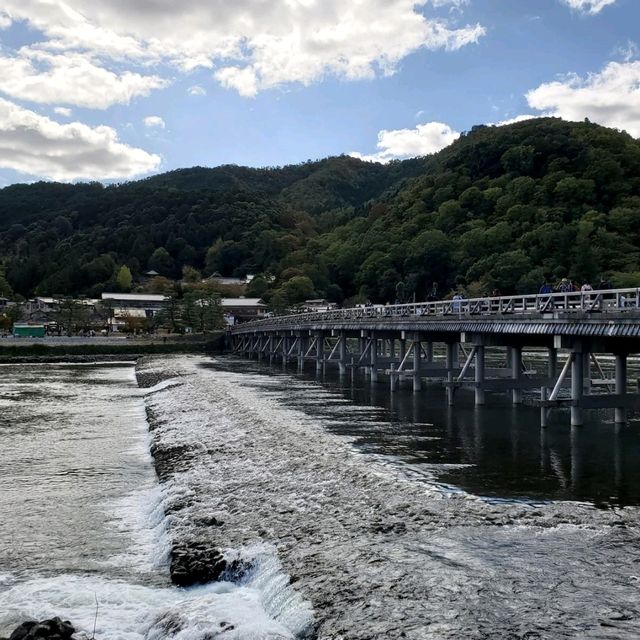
{"points": [[502, 207]]}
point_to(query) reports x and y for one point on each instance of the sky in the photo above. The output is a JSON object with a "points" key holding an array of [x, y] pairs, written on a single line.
{"points": [[114, 90]]}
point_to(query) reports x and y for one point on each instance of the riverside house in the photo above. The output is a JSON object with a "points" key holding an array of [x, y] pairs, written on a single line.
{"points": [[124, 307]]}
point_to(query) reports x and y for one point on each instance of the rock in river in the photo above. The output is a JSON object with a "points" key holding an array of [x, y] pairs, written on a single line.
{"points": [[54, 629]]}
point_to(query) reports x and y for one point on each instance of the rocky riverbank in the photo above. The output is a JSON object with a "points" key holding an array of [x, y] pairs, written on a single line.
{"points": [[378, 554]]}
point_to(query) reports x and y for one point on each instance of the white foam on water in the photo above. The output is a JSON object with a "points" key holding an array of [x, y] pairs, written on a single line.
{"points": [[130, 582], [278, 598], [140, 515], [127, 611]]}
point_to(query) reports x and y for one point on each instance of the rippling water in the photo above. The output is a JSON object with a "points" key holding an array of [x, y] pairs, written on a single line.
{"points": [[373, 537], [74, 448], [83, 530], [363, 515], [497, 450]]}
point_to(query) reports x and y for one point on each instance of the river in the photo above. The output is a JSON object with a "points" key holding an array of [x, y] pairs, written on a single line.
{"points": [[83, 532], [354, 514]]}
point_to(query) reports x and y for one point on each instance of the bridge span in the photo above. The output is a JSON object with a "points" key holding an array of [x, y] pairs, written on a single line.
{"points": [[473, 343]]}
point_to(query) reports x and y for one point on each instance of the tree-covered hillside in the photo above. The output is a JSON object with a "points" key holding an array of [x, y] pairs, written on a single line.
{"points": [[503, 207]]}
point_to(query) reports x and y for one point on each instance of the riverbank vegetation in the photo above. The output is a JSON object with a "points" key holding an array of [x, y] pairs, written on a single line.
{"points": [[501, 208]]}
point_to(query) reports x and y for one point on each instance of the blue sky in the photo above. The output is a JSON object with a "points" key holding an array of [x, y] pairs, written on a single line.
{"points": [[98, 89]]}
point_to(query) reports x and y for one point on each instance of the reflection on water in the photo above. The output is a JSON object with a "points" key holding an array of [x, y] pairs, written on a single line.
{"points": [[498, 450]]}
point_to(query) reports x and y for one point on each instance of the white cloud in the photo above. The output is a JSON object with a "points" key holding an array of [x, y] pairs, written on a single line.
{"points": [[63, 111], [197, 90], [259, 43], [407, 143], [154, 122], [610, 98], [588, 6], [70, 78], [629, 51], [520, 118], [36, 145], [5, 21]]}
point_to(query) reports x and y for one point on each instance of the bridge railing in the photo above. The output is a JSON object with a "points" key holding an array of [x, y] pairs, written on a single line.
{"points": [[605, 301]]}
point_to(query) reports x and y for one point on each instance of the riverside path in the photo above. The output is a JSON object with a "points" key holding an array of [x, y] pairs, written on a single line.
{"points": [[449, 340]]}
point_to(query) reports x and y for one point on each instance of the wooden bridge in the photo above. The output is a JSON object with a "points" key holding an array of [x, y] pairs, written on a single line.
{"points": [[473, 343]]}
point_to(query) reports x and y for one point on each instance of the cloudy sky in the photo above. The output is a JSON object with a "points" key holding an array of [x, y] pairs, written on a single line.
{"points": [[116, 89]]}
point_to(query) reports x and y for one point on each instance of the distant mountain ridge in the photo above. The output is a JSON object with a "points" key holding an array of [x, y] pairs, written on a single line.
{"points": [[502, 207]]}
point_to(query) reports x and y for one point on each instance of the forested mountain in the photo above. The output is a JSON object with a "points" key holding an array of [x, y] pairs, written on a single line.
{"points": [[503, 207]]}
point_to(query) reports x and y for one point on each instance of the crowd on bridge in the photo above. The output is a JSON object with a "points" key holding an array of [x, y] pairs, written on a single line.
{"points": [[564, 285]]}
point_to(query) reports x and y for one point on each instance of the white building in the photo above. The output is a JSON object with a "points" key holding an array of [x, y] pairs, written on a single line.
{"points": [[243, 309], [124, 306]]}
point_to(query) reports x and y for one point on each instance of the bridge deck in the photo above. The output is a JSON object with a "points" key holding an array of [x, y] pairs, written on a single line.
{"points": [[611, 313]]}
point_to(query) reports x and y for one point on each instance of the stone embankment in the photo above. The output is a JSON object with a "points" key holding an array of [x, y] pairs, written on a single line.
{"points": [[194, 558]]}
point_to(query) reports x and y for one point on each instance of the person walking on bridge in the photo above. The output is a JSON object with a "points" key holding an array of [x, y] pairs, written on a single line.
{"points": [[545, 289], [565, 286]]}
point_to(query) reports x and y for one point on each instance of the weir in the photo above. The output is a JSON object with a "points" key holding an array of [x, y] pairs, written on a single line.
{"points": [[475, 344]]}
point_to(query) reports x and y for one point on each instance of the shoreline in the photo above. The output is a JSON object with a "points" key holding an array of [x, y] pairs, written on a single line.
{"points": [[92, 348]]}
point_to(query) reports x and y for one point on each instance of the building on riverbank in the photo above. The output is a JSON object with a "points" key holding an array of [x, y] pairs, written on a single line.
{"points": [[243, 309], [123, 308], [27, 330]]}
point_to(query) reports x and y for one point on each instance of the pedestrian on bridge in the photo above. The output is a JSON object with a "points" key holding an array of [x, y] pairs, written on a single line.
{"points": [[545, 289]]}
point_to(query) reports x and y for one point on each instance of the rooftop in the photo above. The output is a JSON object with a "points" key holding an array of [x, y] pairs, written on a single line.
{"points": [[242, 302], [131, 297]]}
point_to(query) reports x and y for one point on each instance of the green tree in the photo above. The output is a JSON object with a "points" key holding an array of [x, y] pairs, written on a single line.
{"points": [[297, 289], [257, 287], [162, 262], [191, 275], [5, 288], [202, 312], [124, 279], [71, 315]]}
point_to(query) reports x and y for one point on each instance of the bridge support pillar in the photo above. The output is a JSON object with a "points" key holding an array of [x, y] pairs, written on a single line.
{"points": [[621, 386], [363, 348], [393, 379], [373, 359], [302, 343], [342, 364], [544, 411], [270, 348], [452, 353], [319, 350], [479, 375], [577, 387], [417, 381], [586, 371], [429, 351], [516, 373]]}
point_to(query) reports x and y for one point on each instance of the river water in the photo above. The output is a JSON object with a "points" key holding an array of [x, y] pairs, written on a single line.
{"points": [[83, 531], [360, 515]]}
